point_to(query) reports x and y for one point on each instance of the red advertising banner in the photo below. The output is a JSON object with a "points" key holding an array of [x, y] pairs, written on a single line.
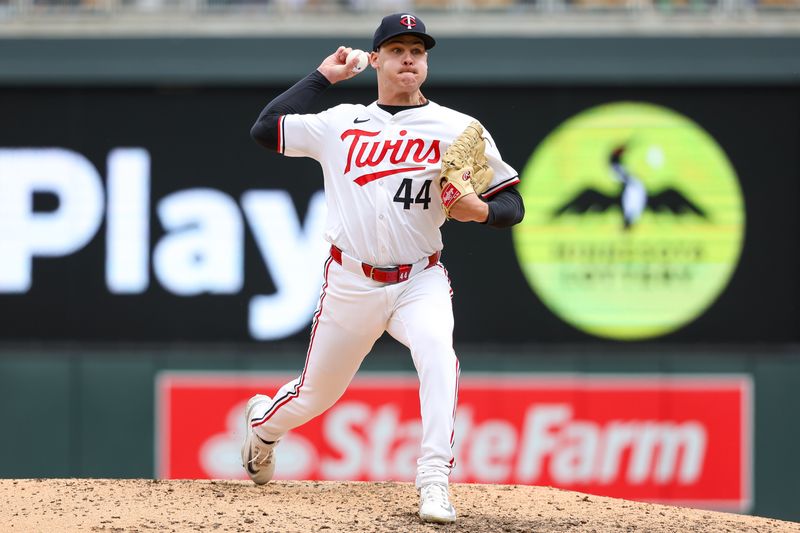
{"points": [[683, 439]]}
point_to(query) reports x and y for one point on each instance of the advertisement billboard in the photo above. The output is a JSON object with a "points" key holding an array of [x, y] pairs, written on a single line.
{"points": [[635, 221], [679, 439], [149, 215]]}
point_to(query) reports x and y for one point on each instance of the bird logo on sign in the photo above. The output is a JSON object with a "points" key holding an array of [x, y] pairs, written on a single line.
{"points": [[409, 21], [632, 200]]}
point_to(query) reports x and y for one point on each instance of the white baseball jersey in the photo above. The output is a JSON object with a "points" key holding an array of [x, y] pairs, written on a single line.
{"points": [[381, 175]]}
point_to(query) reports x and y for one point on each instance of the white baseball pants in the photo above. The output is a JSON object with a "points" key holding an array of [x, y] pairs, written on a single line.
{"points": [[353, 312]]}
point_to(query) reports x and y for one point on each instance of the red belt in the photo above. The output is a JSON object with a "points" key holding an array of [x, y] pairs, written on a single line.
{"points": [[386, 275]]}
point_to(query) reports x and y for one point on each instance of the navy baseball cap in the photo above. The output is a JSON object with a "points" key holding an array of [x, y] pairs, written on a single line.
{"points": [[401, 24]]}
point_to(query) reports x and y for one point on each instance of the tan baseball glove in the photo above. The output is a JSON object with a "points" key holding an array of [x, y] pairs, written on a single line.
{"points": [[465, 169]]}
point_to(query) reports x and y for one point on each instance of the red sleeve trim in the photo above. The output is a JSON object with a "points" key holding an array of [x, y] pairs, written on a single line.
{"points": [[501, 186], [281, 146]]}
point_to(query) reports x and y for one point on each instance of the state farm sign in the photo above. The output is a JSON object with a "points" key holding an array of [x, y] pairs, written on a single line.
{"points": [[673, 439]]}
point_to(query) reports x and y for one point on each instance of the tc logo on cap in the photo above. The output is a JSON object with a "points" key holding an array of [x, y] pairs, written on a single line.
{"points": [[409, 21]]}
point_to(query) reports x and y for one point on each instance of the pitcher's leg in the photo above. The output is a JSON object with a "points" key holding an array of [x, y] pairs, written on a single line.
{"points": [[423, 321], [346, 326]]}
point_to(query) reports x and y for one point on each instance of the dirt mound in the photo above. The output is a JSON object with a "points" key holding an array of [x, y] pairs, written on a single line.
{"points": [[306, 506]]}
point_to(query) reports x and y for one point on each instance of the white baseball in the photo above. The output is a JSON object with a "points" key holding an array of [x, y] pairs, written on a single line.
{"points": [[362, 59]]}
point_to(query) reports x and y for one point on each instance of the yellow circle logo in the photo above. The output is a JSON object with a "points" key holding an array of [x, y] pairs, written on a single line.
{"points": [[634, 221]]}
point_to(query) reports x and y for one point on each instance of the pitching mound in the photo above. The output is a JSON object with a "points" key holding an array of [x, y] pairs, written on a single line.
{"points": [[302, 507]]}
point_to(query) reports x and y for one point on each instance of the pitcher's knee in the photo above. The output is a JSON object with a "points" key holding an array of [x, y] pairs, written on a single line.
{"points": [[437, 359]]}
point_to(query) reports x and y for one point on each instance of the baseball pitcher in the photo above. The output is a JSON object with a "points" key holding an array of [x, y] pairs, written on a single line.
{"points": [[393, 172]]}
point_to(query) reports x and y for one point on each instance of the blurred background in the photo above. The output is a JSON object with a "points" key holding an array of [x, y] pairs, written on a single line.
{"points": [[638, 335]]}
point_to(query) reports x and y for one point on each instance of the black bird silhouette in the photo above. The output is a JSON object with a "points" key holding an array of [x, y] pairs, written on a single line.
{"points": [[667, 200]]}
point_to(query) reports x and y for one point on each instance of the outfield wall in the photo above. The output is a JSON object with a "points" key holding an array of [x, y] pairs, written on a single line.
{"points": [[104, 408]]}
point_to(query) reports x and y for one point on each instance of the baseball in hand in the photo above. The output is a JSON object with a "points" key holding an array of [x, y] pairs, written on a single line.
{"points": [[362, 59]]}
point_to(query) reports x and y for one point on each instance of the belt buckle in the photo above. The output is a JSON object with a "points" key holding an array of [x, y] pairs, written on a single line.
{"points": [[374, 269], [403, 272]]}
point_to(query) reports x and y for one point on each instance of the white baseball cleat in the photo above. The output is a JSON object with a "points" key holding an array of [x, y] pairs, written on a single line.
{"points": [[258, 457], [434, 504]]}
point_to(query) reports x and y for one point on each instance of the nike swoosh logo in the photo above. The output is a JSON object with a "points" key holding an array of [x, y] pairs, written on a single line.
{"points": [[358, 121]]}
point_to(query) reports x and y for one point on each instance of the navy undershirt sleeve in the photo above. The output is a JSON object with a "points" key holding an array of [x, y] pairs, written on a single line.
{"points": [[505, 208], [295, 100]]}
